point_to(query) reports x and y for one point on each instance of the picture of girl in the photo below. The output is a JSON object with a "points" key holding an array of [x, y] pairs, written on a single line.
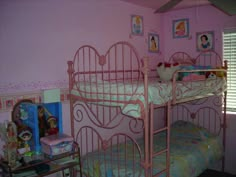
{"points": [[137, 25], [205, 45], [180, 28], [205, 41], [153, 42]]}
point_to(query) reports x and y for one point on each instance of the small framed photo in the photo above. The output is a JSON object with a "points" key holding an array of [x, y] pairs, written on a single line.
{"points": [[153, 42], [137, 25], [181, 28], [205, 40]]}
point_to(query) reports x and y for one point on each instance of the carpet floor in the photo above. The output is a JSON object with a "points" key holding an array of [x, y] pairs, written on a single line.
{"points": [[213, 173]]}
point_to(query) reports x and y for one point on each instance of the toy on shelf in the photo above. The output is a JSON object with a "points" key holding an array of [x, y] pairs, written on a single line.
{"points": [[43, 125], [42, 120], [25, 135], [52, 125], [36, 121], [52, 122], [56, 144], [8, 132], [19, 114]]}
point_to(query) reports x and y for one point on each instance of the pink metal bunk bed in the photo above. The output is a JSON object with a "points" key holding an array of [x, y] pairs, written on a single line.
{"points": [[112, 102]]}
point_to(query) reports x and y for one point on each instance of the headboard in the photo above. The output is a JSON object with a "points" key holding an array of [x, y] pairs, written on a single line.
{"points": [[182, 58], [120, 62]]}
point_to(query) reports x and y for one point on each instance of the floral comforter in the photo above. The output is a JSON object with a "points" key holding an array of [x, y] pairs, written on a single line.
{"points": [[192, 150]]}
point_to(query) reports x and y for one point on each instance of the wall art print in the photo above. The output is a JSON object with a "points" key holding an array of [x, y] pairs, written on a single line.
{"points": [[181, 28], [137, 25], [153, 42], [205, 41]]}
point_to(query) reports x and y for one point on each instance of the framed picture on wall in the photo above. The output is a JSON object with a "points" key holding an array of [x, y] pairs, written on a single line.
{"points": [[153, 42], [137, 25], [181, 28], [205, 40]]}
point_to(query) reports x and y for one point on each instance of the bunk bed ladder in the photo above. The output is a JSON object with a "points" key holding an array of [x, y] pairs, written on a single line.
{"points": [[154, 132]]}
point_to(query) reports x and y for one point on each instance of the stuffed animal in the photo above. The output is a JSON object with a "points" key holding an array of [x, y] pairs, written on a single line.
{"points": [[211, 74], [214, 74], [166, 70], [220, 73]]}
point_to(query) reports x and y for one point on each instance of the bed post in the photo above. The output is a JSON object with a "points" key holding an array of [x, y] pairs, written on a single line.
{"points": [[224, 132], [224, 120], [168, 139], [70, 72], [146, 120]]}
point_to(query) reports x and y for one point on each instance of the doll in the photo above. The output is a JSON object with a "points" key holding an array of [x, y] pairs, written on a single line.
{"points": [[11, 143], [25, 135], [9, 135], [52, 122], [11, 131], [43, 126]]}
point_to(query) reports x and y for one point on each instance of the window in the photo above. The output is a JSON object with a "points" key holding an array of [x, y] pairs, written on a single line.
{"points": [[229, 47]]}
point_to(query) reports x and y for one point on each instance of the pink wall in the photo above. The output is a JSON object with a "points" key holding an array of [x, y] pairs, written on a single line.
{"points": [[204, 18], [38, 37]]}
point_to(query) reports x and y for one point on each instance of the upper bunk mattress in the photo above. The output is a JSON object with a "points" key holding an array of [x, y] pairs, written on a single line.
{"points": [[159, 93]]}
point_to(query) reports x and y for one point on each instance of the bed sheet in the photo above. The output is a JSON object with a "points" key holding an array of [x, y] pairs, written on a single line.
{"points": [[158, 93], [189, 158]]}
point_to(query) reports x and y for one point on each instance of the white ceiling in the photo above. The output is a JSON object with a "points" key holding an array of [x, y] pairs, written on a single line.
{"points": [[156, 4]]}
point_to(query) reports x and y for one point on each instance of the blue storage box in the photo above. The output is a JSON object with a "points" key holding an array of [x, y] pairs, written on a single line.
{"points": [[41, 123]]}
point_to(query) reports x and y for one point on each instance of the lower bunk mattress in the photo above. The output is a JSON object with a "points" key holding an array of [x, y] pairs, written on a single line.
{"points": [[192, 151]]}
